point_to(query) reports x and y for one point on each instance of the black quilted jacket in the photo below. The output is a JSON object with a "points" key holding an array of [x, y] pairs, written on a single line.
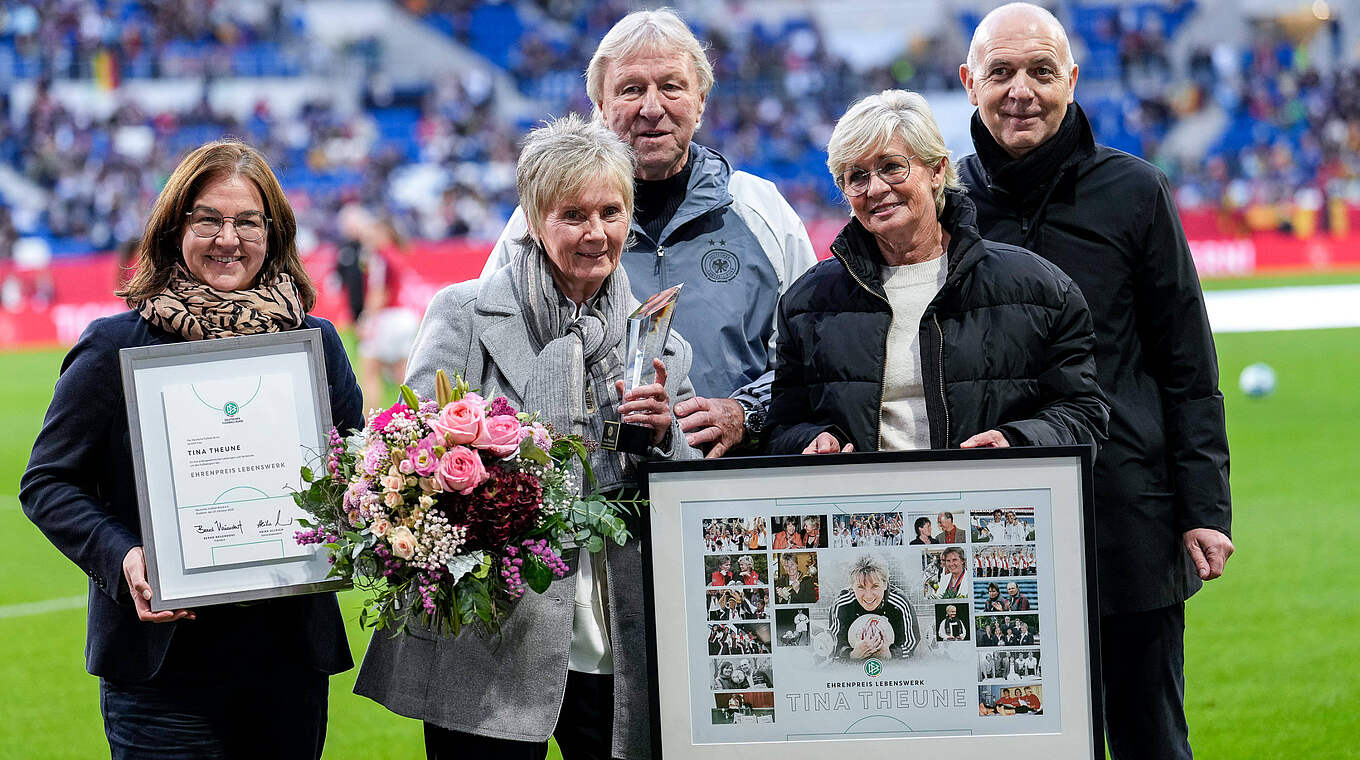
{"points": [[1006, 344]]}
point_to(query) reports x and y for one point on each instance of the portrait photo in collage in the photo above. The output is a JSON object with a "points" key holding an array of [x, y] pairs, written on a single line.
{"points": [[1006, 630], [735, 534], [793, 627], [1011, 700], [930, 528], [990, 561], [742, 673], [798, 532], [743, 707], [739, 604], [1009, 666], [1009, 525], [1006, 595], [868, 529], [738, 638], [795, 578], [944, 573], [749, 569]]}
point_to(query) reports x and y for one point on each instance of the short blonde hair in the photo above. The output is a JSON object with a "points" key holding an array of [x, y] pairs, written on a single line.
{"points": [[562, 157], [645, 31], [874, 122], [868, 566]]}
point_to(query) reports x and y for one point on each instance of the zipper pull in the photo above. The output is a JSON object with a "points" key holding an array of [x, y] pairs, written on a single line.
{"points": [[660, 254]]}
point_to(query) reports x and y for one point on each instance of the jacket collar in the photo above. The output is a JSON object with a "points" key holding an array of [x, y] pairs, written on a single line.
{"points": [[505, 337], [857, 249], [991, 158], [707, 190]]}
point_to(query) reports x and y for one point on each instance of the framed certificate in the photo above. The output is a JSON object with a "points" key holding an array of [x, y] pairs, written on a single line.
{"points": [[220, 431], [880, 606]]}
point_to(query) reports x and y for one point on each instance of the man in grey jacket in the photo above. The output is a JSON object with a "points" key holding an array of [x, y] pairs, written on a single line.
{"points": [[730, 237]]}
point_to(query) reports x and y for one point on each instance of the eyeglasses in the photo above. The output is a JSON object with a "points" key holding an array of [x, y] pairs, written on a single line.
{"points": [[893, 170], [207, 223]]}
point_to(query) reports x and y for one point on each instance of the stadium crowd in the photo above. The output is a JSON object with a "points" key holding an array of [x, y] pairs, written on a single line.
{"points": [[1292, 139]]}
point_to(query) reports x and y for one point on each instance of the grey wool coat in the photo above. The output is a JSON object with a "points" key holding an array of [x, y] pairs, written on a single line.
{"points": [[511, 686]]}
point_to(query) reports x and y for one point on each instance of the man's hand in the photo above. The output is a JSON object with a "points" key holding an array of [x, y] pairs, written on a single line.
{"points": [[826, 443], [1210, 551], [720, 421], [988, 439], [134, 570]]}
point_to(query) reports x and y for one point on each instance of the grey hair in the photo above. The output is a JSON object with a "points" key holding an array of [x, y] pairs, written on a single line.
{"points": [[869, 565], [658, 30], [564, 156], [1044, 16], [874, 122]]}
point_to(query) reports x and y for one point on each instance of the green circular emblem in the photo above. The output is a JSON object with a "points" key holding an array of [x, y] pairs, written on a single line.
{"points": [[872, 668], [231, 408]]}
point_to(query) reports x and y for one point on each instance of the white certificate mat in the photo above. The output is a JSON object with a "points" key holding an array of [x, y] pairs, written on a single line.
{"points": [[220, 431], [236, 455], [770, 631]]}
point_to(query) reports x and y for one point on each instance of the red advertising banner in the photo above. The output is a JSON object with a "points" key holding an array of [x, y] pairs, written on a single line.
{"points": [[53, 305]]}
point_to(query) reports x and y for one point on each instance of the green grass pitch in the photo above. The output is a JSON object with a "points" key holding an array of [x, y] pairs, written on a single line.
{"points": [[1270, 671]]}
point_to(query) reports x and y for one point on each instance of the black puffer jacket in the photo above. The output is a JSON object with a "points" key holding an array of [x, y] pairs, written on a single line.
{"points": [[1006, 344]]}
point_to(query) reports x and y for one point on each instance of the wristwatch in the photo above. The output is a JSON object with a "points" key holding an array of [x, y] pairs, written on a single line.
{"points": [[754, 416]]}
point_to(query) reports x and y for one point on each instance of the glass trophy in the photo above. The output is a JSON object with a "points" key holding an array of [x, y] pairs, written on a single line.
{"points": [[649, 326]]}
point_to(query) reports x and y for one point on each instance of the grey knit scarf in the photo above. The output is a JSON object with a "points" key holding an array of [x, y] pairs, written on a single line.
{"points": [[579, 357]]}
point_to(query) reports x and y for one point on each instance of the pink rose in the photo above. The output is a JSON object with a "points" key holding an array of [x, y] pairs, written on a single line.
{"points": [[461, 421], [500, 436], [461, 470], [380, 527], [403, 542]]}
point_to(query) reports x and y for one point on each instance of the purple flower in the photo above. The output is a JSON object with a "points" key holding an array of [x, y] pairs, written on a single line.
{"points": [[501, 407], [422, 457], [375, 458]]}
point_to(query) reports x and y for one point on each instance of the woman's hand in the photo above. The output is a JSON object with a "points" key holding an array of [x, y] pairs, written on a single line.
{"points": [[867, 646], [134, 570], [826, 443], [988, 439], [648, 405]]}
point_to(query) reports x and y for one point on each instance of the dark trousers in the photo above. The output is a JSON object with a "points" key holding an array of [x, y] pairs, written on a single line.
{"points": [[284, 717], [1142, 659], [585, 729]]}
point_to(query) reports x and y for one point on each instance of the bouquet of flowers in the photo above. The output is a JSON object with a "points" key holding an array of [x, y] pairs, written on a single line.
{"points": [[446, 509]]}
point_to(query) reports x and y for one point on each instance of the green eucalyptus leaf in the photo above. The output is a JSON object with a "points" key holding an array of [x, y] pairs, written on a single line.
{"points": [[595, 544], [536, 573]]}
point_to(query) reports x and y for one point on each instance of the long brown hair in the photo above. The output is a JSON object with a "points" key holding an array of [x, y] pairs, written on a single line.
{"points": [[159, 253]]}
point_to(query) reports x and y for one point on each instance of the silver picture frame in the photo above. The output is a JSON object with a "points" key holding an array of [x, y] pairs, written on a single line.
{"points": [[148, 373], [818, 698]]}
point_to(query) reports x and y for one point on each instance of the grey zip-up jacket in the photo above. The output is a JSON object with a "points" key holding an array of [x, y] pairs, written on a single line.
{"points": [[737, 245]]}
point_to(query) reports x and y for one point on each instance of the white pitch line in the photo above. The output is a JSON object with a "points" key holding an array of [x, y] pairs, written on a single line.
{"points": [[39, 608], [1287, 308]]}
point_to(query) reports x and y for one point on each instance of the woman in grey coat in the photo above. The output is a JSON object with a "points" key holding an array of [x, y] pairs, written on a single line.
{"points": [[546, 331]]}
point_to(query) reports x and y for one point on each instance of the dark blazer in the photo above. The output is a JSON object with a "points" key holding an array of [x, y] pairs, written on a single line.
{"points": [[80, 491], [1109, 221]]}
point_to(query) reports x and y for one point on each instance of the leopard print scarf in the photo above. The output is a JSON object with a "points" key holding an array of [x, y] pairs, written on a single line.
{"points": [[195, 311]]}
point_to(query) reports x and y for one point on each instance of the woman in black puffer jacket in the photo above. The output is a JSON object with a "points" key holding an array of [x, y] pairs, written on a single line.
{"points": [[918, 333]]}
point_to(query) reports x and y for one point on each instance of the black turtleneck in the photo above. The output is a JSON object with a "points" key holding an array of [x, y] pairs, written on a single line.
{"points": [[656, 201], [1028, 176]]}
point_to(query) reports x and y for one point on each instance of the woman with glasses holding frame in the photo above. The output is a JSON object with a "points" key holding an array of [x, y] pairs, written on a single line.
{"points": [[218, 259], [917, 333]]}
